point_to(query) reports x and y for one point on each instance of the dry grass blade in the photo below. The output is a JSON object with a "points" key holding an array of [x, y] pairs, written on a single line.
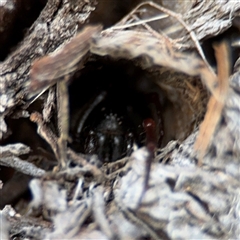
{"points": [[214, 108], [166, 12], [63, 120]]}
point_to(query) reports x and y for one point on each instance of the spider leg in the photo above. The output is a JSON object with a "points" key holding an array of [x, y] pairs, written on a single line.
{"points": [[93, 103]]}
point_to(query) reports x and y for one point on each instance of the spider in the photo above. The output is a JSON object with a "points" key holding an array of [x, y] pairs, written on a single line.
{"points": [[122, 111]]}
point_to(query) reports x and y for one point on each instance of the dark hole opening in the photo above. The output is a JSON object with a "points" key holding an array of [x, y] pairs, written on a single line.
{"points": [[109, 102]]}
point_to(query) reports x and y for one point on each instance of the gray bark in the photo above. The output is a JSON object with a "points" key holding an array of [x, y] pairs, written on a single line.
{"points": [[184, 199]]}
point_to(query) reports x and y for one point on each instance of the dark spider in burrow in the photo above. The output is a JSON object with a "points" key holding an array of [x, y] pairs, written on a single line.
{"points": [[114, 106]]}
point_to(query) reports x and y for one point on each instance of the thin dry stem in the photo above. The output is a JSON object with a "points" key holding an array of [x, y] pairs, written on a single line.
{"points": [[214, 108]]}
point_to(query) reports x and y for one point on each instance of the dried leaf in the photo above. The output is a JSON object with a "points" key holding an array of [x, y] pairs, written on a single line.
{"points": [[47, 70]]}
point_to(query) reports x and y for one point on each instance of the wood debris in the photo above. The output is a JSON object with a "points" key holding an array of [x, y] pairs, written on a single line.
{"points": [[192, 188]]}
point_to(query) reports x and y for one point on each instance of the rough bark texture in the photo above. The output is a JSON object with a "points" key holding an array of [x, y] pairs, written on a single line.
{"points": [[190, 194]]}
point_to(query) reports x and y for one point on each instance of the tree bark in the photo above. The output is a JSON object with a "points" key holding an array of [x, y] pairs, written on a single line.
{"points": [[189, 195]]}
